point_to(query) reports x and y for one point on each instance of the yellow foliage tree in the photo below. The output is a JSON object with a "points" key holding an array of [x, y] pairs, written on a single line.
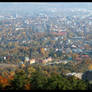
{"points": [[90, 67], [42, 51], [23, 65]]}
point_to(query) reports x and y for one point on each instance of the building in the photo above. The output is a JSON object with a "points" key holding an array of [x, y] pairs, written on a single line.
{"points": [[77, 75], [23, 65], [62, 61], [31, 61], [4, 58], [19, 29], [44, 61], [49, 59], [78, 59], [26, 59], [73, 46], [85, 56]]}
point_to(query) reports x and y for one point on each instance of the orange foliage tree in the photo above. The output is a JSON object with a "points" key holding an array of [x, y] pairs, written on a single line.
{"points": [[4, 82]]}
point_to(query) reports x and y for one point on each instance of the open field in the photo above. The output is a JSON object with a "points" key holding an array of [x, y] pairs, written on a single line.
{"points": [[8, 65]]}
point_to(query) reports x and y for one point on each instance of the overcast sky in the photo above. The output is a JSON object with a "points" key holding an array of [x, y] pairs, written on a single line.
{"points": [[47, 4]]}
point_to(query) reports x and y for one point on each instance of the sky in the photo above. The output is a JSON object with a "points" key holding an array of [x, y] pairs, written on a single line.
{"points": [[66, 4], [33, 5]]}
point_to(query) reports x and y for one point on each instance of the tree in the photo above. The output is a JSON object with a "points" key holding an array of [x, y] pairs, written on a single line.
{"points": [[38, 80], [74, 56], [19, 81], [77, 84], [30, 70], [3, 82], [90, 67], [42, 50], [27, 86]]}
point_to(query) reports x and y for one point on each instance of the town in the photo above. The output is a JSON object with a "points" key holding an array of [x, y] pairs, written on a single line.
{"points": [[45, 46], [40, 37]]}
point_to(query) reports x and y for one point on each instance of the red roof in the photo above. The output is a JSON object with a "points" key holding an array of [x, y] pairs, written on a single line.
{"points": [[81, 47], [86, 56], [78, 59], [59, 33]]}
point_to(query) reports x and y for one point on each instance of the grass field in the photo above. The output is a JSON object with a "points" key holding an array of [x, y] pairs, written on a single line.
{"points": [[8, 65]]}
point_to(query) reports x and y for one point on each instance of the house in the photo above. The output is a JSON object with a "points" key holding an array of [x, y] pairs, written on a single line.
{"points": [[45, 49], [31, 61], [78, 59], [77, 75], [85, 56], [63, 62], [47, 60], [20, 62], [44, 61], [22, 65], [77, 50], [62, 33], [56, 49], [70, 74], [56, 38], [26, 59], [69, 41], [4, 58], [19, 29], [73, 46]]}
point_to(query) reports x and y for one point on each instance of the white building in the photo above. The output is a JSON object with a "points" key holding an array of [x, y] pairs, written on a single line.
{"points": [[27, 59], [4, 58], [78, 75], [32, 61], [73, 46]]}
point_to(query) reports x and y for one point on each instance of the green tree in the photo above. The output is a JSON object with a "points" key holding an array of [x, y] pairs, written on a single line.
{"points": [[19, 80], [38, 80]]}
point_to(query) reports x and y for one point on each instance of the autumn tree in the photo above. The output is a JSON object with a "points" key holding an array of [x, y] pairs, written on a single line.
{"points": [[19, 81], [42, 50]]}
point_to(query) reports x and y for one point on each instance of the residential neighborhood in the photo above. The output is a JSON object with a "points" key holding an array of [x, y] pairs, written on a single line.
{"points": [[45, 46]]}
